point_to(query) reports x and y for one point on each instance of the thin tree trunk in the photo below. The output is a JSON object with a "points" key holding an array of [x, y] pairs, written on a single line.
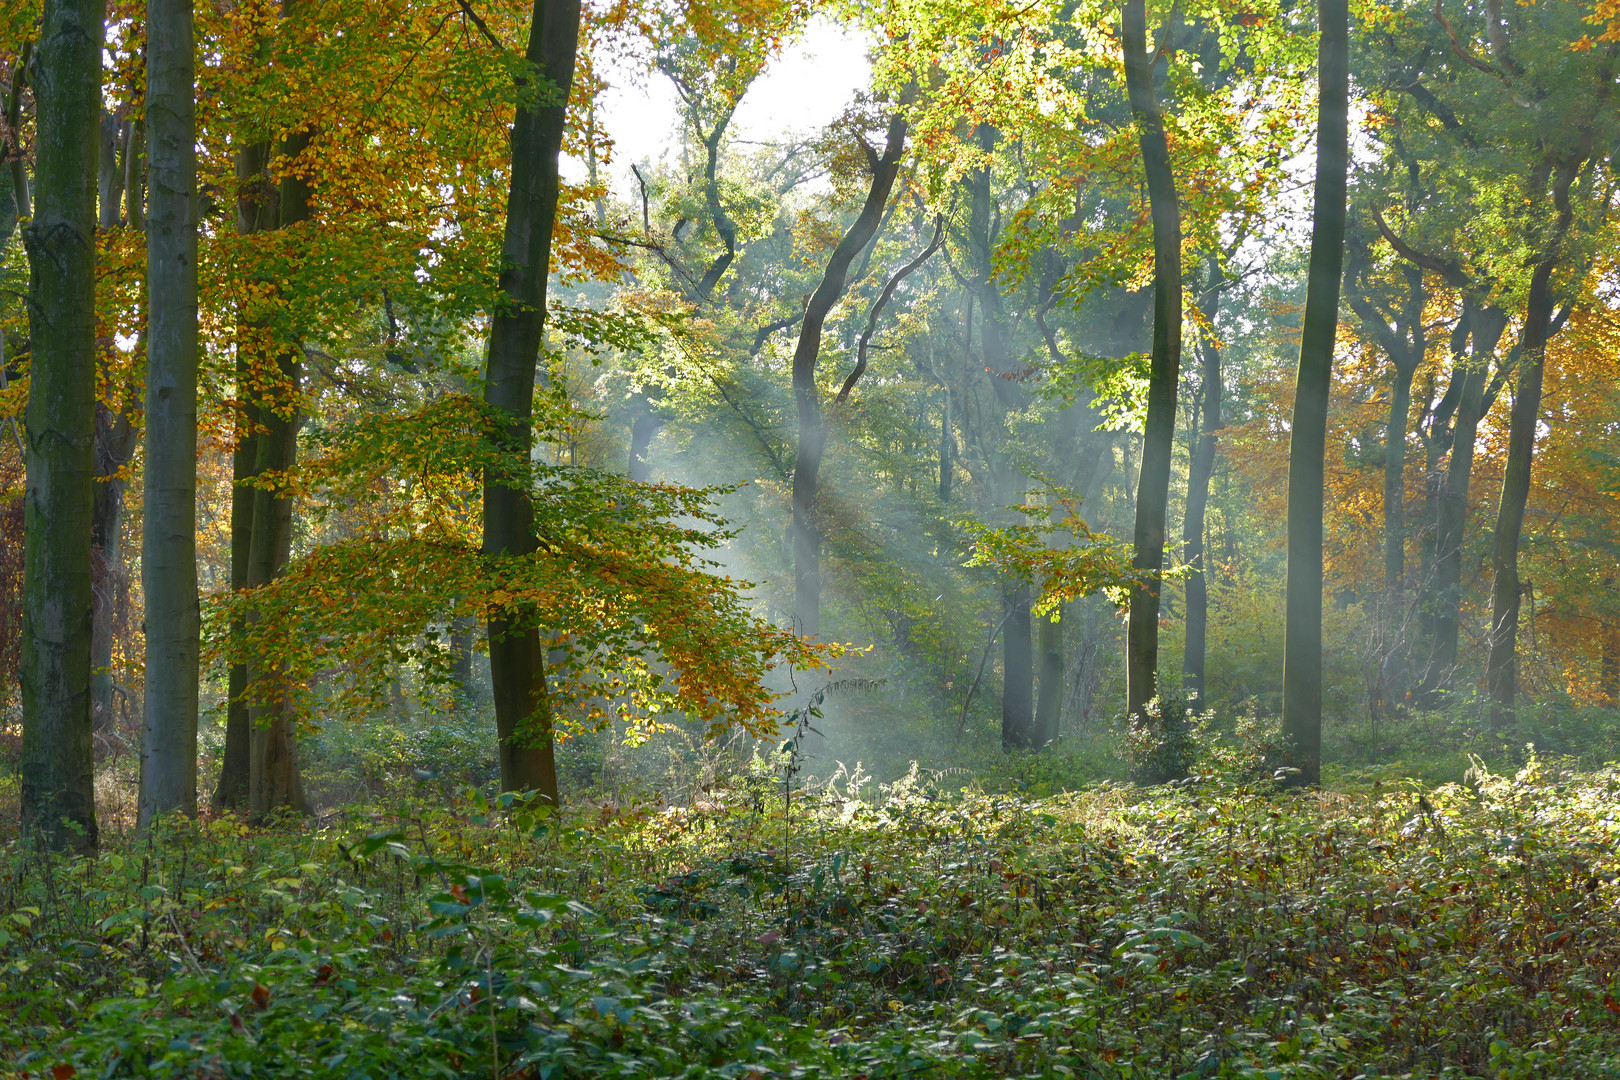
{"points": [[1153, 491], [58, 765], [1501, 673], [19, 167], [1400, 409], [947, 468], [806, 529], [1049, 705], [517, 665], [462, 649], [1199, 471], [255, 211], [114, 446], [1486, 327], [109, 174], [1307, 447], [169, 525]]}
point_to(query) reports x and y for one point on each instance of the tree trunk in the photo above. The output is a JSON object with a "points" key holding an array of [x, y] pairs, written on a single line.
{"points": [[169, 525], [1049, 705], [1486, 327], [517, 666], [646, 424], [947, 467], [1199, 471], [58, 766], [275, 782], [1153, 490], [1018, 671], [114, 446], [806, 530], [1501, 672], [255, 210], [109, 174], [462, 649], [1307, 446]]}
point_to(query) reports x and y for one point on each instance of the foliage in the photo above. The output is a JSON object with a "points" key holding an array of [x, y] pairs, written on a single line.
{"points": [[617, 582], [1214, 929]]}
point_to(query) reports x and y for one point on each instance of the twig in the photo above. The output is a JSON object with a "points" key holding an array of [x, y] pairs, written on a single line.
{"points": [[961, 721]]}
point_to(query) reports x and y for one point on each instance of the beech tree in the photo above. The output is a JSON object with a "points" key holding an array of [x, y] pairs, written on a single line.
{"points": [[58, 796], [1302, 649], [169, 527]]}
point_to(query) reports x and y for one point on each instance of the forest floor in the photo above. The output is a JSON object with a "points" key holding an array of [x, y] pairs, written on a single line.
{"points": [[1210, 929]]}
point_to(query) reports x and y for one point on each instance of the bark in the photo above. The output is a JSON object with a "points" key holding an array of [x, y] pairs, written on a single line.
{"points": [[169, 525], [109, 173], [1153, 489], [114, 446], [255, 210], [1018, 670], [1199, 471], [19, 168], [1049, 705], [1486, 327], [275, 783], [517, 666], [1302, 640], [58, 767], [1501, 672], [462, 644], [806, 530], [647, 423]]}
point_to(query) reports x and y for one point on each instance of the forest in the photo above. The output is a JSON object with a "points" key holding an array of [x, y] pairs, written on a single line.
{"points": [[558, 540]]}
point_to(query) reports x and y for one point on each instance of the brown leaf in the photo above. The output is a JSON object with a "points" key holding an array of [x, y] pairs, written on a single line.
{"points": [[63, 1071], [260, 996]]}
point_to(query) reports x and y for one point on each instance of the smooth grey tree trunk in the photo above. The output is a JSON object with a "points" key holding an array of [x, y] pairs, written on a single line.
{"points": [[114, 446], [523, 715], [169, 517], [1307, 444], [58, 766], [1199, 471], [1153, 487]]}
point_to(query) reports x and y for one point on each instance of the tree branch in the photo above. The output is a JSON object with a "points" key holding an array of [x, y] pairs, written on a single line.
{"points": [[883, 299]]}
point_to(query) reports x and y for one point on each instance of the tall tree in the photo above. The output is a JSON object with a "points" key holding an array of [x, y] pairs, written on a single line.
{"points": [[169, 521], [1501, 673], [1153, 488], [58, 793], [884, 166], [517, 663], [275, 782], [1307, 445], [1199, 471], [255, 212]]}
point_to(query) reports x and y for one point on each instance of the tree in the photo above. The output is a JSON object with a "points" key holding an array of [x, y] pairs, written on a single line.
{"points": [[1199, 471], [169, 524], [1302, 648], [523, 715], [58, 795], [883, 167], [1153, 489]]}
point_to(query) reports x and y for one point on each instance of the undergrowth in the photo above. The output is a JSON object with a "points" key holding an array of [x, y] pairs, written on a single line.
{"points": [[1211, 929]]}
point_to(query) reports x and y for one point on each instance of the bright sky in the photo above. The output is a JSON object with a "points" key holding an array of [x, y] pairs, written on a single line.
{"points": [[801, 91]]}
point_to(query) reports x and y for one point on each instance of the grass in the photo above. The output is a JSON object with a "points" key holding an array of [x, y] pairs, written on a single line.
{"points": [[1217, 928]]}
